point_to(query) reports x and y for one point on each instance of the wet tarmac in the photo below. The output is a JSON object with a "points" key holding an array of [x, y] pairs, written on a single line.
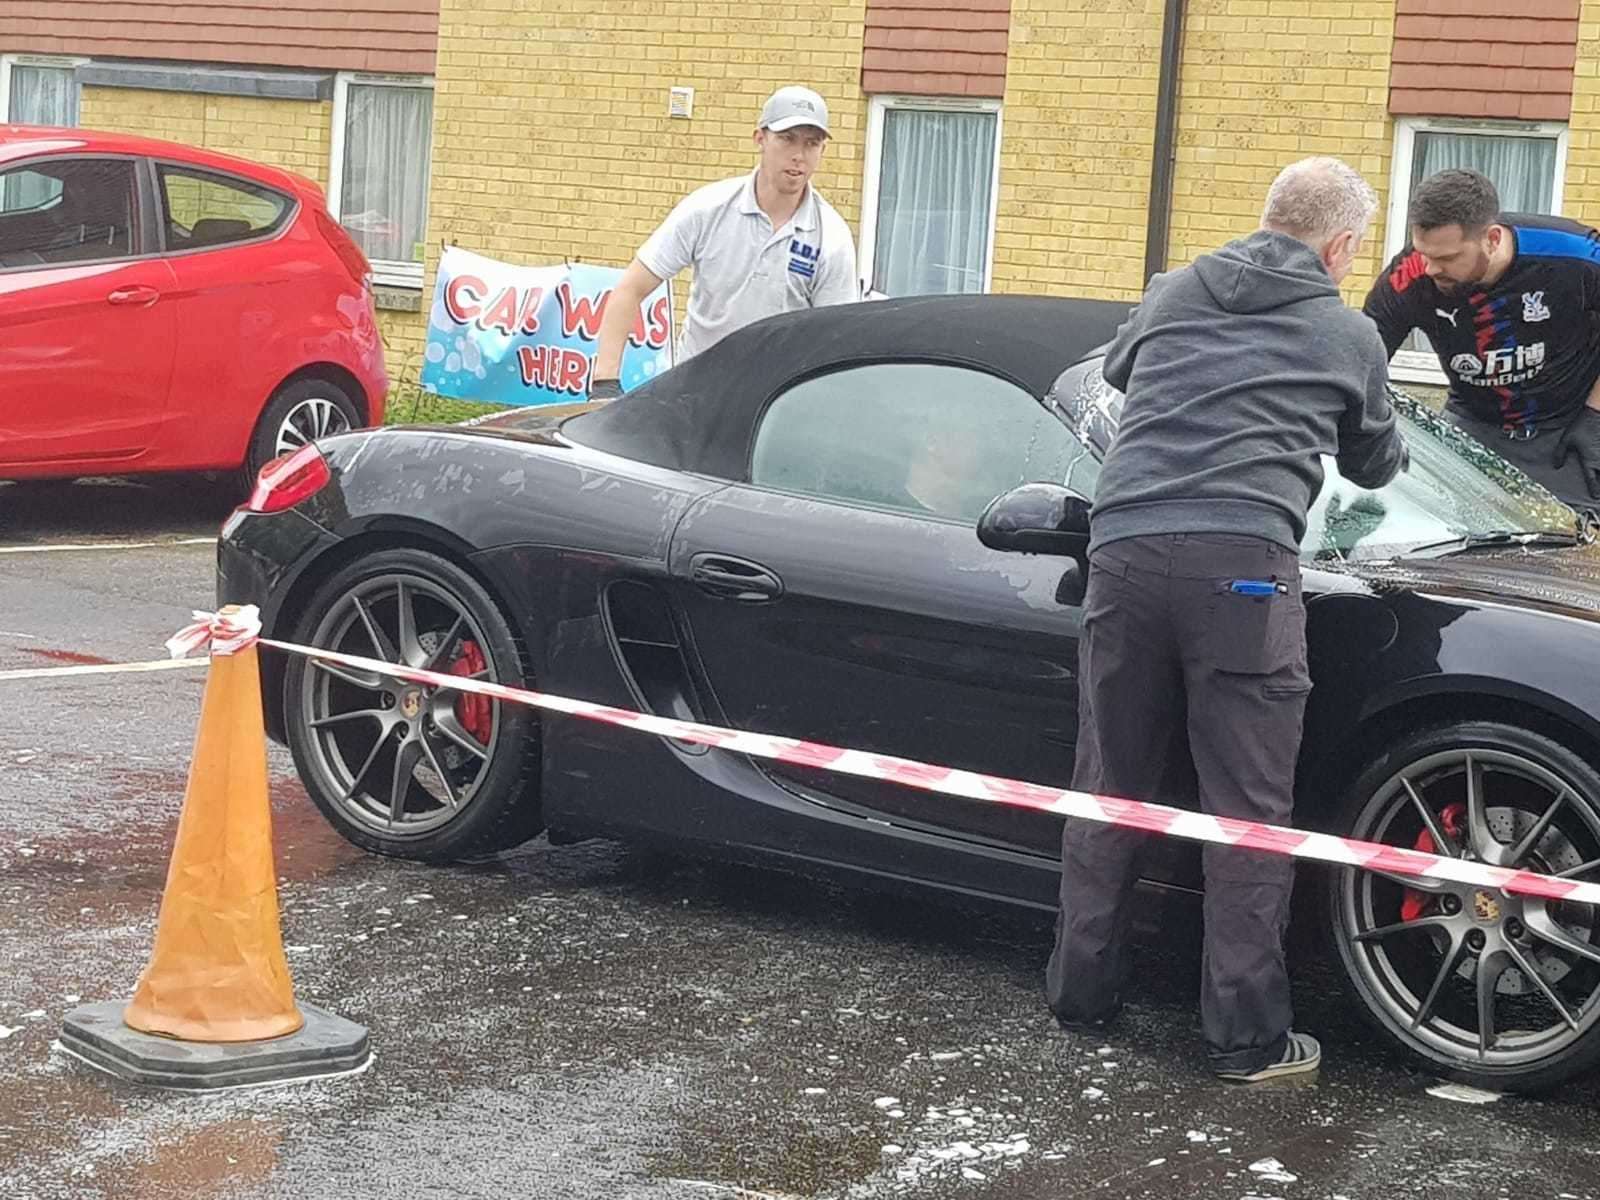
{"points": [[598, 1020]]}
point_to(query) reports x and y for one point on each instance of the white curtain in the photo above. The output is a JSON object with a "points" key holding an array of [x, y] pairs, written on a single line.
{"points": [[1523, 169], [43, 96], [39, 96], [932, 230], [387, 150]]}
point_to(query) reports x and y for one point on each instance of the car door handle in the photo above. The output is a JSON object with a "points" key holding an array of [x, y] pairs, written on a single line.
{"points": [[734, 578], [138, 294]]}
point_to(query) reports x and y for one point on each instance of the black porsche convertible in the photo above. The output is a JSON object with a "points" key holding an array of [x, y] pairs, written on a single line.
{"points": [[782, 535]]}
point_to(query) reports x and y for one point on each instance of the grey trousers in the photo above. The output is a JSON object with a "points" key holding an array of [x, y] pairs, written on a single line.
{"points": [[1171, 646]]}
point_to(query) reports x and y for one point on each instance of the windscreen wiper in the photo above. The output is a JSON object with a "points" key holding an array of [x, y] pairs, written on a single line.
{"points": [[1498, 537]]}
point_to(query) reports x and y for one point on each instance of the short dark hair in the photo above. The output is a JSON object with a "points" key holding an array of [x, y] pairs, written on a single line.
{"points": [[1455, 197]]}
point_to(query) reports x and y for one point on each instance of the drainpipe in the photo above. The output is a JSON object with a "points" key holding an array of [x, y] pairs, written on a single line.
{"points": [[1163, 161]]}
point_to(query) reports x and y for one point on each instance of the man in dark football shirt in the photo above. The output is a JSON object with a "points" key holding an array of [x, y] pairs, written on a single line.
{"points": [[1511, 303]]}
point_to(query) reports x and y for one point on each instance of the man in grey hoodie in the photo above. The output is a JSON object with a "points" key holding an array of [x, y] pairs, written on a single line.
{"points": [[1240, 371]]}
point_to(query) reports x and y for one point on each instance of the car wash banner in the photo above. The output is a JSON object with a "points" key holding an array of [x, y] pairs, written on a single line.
{"points": [[528, 335]]}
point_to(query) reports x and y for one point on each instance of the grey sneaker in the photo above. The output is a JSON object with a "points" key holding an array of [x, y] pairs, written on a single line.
{"points": [[1301, 1056]]}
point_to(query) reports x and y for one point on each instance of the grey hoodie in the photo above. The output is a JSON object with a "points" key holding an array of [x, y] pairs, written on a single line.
{"points": [[1240, 370]]}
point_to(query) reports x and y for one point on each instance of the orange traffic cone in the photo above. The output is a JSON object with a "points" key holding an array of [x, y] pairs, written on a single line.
{"points": [[215, 1008], [218, 973]]}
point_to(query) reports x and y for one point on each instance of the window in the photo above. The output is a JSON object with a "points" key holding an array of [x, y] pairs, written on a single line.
{"points": [[66, 211], [200, 209], [26, 189], [382, 150], [1526, 161], [918, 438], [933, 168], [38, 91]]}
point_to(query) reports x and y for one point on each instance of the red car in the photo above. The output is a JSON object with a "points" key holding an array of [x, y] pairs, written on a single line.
{"points": [[165, 308]]}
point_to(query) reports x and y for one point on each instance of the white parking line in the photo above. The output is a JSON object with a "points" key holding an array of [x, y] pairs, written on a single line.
{"points": [[198, 541], [159, 664]]}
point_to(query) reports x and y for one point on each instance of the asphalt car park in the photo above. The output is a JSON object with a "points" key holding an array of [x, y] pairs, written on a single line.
{"points": [[595, 1019]]}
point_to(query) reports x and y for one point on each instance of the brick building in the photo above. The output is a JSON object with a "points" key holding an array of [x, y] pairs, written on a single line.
{"points": [[1001, 144]]}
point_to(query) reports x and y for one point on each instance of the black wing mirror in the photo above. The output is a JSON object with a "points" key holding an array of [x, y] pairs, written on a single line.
{"points": [[1037, 518]]}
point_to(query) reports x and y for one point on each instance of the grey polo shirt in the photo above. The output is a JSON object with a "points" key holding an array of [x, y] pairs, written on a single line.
{"points": [[744, 269]]}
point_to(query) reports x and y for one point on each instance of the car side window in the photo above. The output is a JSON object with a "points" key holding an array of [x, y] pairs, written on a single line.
{"points": [[927, 439], [67, 210], [202, 209]]}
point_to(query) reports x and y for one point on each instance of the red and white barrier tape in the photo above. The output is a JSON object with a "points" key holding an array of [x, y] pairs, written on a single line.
{"points": [[1132, 814], [223, 632]]}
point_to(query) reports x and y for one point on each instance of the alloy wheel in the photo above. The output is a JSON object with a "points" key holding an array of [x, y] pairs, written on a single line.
{"points": [[1475, 975], [399, 758], [308, 421]]}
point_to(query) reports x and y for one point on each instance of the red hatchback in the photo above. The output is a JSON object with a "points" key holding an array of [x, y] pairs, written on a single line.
{"points": [[164, 308]]}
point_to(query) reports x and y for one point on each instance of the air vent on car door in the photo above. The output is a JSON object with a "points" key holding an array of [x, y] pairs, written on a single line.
{"points": [[646, 640]]}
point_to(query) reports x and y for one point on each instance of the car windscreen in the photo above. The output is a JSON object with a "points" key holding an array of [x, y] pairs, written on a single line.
{"points": [[1455, 487]]}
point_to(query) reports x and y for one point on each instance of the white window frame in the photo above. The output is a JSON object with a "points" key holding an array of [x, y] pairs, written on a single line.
{"points": [[867, 246], [8, 61], [388, 273], [1411, 366]]}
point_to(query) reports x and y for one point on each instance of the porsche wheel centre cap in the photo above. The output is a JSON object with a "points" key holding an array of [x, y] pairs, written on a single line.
{"points": [[1485, 907], [411, 703]]}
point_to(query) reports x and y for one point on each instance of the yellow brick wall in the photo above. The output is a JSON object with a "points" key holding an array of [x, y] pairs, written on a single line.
{"points": [[1262, 82], [1581, 196], [1265, 82], [293, 134], [404, 334], [551, 134], [1078, 128]]}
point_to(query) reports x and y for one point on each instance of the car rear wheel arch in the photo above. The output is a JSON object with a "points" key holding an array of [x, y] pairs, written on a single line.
{"points": [[315, 575], [332, 373], [1323, 777]]}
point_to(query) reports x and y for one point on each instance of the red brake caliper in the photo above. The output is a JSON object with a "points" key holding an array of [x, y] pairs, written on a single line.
{"points": [[1415, 903], [474, 713]]}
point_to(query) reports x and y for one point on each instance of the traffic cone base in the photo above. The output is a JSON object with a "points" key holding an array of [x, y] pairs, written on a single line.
{"points": [[325, 1045]]}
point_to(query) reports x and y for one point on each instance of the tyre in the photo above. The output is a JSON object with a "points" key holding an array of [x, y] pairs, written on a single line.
{"points": [[298, 413], [1499, 991], [396, 767]]}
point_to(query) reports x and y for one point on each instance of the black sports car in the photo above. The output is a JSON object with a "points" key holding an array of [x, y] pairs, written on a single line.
{"points": [[781, 535]]}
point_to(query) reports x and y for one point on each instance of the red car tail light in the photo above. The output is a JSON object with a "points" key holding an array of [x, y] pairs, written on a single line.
{"points": [[346, 249], [289, 479]]}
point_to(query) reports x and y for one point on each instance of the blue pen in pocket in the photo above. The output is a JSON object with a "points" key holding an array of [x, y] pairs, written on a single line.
{"points": [[1258, 587]]}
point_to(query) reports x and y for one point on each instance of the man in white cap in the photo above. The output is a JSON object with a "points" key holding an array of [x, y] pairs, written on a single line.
{"points": [[760, 244]]}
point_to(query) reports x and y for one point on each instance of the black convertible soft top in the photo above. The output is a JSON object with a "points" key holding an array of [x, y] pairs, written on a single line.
{"points": [[701, 416]]}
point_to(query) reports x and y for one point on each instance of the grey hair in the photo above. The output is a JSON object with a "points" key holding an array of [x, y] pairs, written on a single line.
{"points": [[1317, 199]]}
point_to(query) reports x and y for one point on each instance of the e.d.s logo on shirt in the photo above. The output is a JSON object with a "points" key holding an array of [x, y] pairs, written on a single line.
{"points": [[803, 258]]}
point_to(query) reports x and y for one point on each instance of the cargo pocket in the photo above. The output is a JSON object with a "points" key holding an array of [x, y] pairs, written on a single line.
{"points": [[1259, 635]]}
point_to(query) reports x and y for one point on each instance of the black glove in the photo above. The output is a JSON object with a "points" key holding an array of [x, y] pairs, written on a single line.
{"points": [[605, 389], [1582, 438]]}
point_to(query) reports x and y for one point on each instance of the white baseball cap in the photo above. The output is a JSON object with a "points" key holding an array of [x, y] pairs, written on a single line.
{"points": [[790, 107]]}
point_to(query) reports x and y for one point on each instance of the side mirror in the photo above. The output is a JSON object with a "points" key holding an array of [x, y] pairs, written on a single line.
{"points": [[1037, 518]]}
